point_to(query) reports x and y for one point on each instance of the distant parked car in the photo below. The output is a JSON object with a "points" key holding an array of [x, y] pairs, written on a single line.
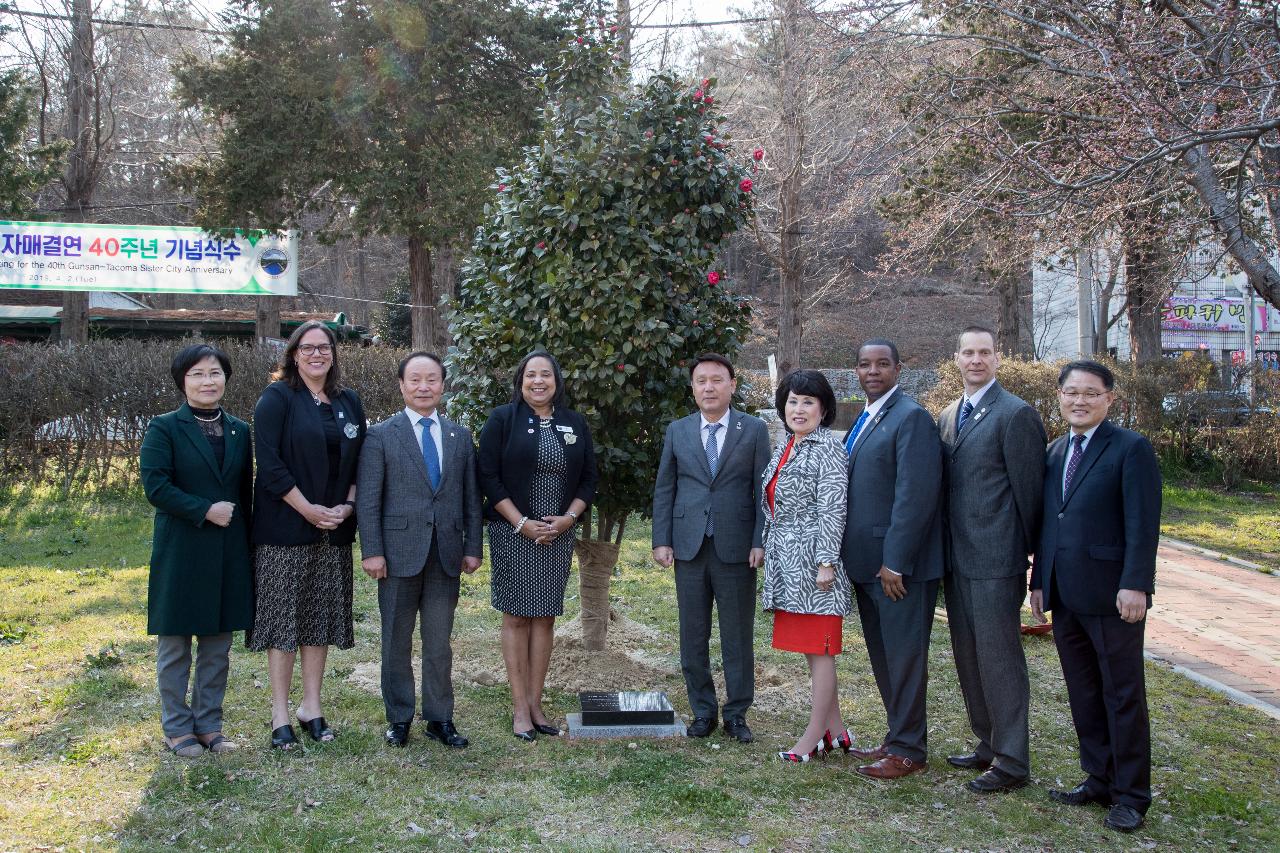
{"points": [[1218, 408]]}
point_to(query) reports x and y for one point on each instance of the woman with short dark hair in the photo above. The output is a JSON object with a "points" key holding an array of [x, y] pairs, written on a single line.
{"points": [[805, 495], [197, 470], [308, 432], [538, 473]]}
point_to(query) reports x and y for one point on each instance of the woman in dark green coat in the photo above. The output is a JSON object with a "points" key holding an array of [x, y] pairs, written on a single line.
{"points": [[197, 470]]}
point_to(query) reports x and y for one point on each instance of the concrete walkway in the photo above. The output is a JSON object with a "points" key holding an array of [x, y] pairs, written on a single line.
{"points": [[1217, 623]]}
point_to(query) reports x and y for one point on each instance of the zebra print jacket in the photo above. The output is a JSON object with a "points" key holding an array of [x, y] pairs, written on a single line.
{"points": [[806, 526]]}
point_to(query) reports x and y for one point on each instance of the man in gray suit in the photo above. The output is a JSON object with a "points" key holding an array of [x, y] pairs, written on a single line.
{"points": [[418, 505], [993, 457], [708, 521], [892, 551]]}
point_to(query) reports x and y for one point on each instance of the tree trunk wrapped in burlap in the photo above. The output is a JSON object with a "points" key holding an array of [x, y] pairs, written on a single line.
{"points": [[596, 560]]}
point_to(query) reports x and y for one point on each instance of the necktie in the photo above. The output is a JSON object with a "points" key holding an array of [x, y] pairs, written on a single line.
{"points": [[713, 459], [965, 411], [853, 433], [1077, 451], [429, 454]]}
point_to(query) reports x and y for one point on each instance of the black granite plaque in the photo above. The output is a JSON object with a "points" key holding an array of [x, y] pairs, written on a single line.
{"points": [[626, 708]]}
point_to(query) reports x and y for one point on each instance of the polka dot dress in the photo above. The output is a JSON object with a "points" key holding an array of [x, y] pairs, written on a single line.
{"points": [[529, 579]]}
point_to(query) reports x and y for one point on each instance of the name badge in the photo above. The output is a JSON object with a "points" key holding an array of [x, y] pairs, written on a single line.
{"points": [[564, 428], [351, 430]]}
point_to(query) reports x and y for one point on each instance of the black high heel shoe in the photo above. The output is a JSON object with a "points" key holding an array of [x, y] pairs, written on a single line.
{"points": [[528, 737], [543, 728], [283, 738], [318, 729]]}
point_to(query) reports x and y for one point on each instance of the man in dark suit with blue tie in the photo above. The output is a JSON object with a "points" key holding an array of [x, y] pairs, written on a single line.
{"points": [[708, 521], [418, 502], [1095, 569], [892, 551]]}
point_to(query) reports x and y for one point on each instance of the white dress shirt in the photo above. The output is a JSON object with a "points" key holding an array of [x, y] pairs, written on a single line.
{"points": [[720, 433], [417, 419], [977, 395]]}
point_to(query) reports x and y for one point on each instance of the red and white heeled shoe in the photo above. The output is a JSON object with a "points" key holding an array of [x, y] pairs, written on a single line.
{"points": [[819, 751], [844, 741]]}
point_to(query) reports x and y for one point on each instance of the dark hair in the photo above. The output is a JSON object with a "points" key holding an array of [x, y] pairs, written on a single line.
{"points": [[806, 383], [404, 362], [714, 357], [975, 330], [287, 370], [1099, 370], [881, 342], [188, 357], [517, 392]]}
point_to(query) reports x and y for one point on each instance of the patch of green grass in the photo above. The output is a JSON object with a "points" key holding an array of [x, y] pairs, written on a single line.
{"points": [[82, 759], [1244, 524]]}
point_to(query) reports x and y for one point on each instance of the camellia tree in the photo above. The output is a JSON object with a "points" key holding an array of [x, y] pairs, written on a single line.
{"points": [[601, 248]]}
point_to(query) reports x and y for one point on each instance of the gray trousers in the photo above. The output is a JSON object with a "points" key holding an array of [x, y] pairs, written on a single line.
{"points": [[173, 670], [986, 640], [897, 637], [430, 596], [732, 587]]}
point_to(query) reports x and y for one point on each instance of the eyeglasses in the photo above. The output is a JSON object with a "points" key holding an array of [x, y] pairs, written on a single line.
{"points": [[200, 375], [315, 349], [1087, 396]]}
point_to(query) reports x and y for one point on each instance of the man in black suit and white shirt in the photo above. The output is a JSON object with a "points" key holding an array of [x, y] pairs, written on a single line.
{"points": [[708, 520], [993, 457], [418, 502], [1095, 569], [892, 551]]}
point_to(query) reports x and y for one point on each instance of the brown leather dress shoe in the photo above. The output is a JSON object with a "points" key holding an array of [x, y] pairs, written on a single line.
{"points": [[875, 753], [892, 767]]}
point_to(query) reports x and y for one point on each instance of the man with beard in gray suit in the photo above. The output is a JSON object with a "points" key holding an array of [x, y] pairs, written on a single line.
{"points": [[992, 451], [418, 504], [708, 520], [892, 551]]}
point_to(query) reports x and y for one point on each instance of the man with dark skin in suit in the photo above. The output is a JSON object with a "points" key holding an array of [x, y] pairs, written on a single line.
{"points": [[1095, 569]]}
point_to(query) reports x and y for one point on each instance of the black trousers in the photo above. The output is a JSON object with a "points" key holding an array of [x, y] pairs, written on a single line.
{"points": [[732, 587], [897, 637], [1102, 663]]}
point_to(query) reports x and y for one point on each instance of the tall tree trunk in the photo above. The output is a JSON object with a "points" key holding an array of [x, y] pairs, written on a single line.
{"points": [[1269, 159], [444, 271], [422, 296], [80, 176], [624, 29], [1013, 323], [1147, 286], [790, 202]]}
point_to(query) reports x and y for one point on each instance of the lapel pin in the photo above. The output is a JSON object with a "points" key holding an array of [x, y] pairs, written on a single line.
{"points": [[451, 434], [739, 425], [339, 413], [350, 430], [531, 430]]}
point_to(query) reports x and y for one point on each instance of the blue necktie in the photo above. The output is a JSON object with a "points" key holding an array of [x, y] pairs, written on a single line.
{"points": [[713, 459], [429, 454], [853, 433], [965, 411]]}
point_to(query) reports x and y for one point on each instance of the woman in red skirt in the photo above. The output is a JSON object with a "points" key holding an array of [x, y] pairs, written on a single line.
{"points": [[805, 490]]}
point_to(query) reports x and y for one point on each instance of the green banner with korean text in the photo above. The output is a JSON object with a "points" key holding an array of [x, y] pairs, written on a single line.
{"points": [[146, 259]]}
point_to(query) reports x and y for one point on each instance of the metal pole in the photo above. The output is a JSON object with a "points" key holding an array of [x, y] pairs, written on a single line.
{"points": [[1084, 302], [1250, 350]]}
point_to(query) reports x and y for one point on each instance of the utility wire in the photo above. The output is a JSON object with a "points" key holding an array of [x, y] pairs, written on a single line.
{"points": [[139, 25]]}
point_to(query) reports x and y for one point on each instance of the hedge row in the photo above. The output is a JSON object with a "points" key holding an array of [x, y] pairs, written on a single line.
{"points": [[74, 418]]}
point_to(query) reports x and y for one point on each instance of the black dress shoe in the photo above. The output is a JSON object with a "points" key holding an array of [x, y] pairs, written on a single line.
{"points": [[996, 781], [528, 737], [544, 729], [443, 731], [1123, 818], [972, 761], [1080, 795], [737, 729], [397, 734], [702, 726]]}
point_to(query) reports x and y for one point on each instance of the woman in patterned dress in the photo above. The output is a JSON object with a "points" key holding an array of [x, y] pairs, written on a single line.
{"points": [[307, 433], [805, 489], [538, 474]]}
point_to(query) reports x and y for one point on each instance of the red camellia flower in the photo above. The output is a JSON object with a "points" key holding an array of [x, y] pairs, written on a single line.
{"points": [[707, 100], [622, 367], [613, 29], [542, 244], [746, 185], [758, 154], [502, 188], [709, 138], [713, 278], [706, 82], [580, 40], [697, 95]]}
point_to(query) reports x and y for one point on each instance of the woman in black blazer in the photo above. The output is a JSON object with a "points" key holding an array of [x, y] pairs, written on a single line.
{"points": [[307, 434], [538, 473]]}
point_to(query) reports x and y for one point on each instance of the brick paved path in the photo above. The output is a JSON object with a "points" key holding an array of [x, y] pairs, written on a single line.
{"points": [[1218, 620]]}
